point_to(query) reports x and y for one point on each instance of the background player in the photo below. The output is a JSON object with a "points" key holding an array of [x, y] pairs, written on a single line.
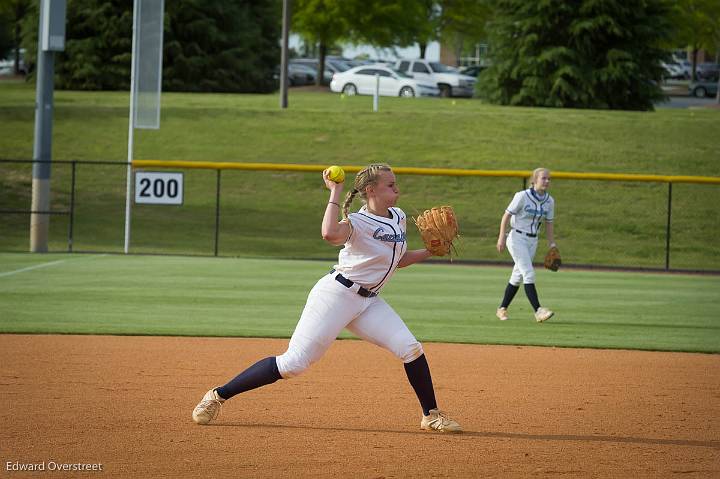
{"points": [[347, 297], [526, 212]]}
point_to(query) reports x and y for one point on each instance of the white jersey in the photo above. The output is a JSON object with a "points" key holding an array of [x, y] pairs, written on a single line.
{"points": [[529, 209], [373, 249]]}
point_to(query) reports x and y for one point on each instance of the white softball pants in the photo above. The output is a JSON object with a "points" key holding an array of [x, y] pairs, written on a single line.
{"points": [[331, 307], [522, 249]]}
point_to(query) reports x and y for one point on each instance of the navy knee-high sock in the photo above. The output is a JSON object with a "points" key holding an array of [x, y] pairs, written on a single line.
{"points": [[259, 374], [531, 293], [418, 373], [510, 291]]}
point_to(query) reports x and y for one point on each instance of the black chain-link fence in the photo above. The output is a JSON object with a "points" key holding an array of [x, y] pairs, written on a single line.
{"points": [[653, 225]]}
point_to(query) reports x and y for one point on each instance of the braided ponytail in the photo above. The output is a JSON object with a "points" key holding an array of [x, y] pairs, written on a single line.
{"points": [[348, 201], [367, 176]]}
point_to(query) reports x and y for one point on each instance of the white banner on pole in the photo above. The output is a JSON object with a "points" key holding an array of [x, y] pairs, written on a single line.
{"points": [[145, 82], [148, 64]]}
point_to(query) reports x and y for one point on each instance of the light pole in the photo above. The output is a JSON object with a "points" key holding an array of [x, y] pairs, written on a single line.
{"points": [[284, 55], [51, 39]]}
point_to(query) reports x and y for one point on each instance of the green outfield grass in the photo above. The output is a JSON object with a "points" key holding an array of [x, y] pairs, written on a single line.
{"points": [[278, 214], [171, 295]]}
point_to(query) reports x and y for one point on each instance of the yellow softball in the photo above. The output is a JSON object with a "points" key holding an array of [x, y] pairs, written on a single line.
{"points": [[336, 174]]}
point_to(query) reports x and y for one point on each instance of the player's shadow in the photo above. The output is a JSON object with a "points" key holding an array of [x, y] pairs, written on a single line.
{"points": [[491, 434]]}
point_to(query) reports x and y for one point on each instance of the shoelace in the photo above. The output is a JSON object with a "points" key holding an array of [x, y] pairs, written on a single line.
{"points": [[441, 421], [211, 405]]}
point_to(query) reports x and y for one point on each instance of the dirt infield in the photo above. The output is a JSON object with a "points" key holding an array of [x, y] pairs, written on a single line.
{"points": [[124, 405]]}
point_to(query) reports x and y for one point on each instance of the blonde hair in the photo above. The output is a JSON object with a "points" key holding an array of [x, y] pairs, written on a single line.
{"points": [[365, 177], [536, 172]]}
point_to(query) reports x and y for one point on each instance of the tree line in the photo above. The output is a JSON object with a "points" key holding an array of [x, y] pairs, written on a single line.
{"points": [[585, 53]]}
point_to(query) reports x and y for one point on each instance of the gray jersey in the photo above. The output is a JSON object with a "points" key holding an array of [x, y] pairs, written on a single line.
{"points": [[529, 209]]}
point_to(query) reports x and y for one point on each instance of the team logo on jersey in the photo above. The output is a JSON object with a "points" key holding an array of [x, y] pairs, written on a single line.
{"points": [[529, 209], [390, 238]]}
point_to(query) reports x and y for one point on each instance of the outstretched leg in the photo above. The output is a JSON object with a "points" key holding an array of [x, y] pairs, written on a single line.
{"points": [[330, 306], [259, 374], [381, 325]]}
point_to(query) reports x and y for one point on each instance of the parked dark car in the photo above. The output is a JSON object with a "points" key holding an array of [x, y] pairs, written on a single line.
{"points": [[473, 70], [301, 74], [331, 66], [298, 75], [707, 71]]}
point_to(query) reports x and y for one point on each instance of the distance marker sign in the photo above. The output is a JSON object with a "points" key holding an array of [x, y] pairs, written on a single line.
{"points": [[158, 188]]}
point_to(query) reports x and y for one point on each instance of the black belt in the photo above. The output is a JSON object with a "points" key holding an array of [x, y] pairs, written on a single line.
{"points": [[526, 234], [364, 292]]}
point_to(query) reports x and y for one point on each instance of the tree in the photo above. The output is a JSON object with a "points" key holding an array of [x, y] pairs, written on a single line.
{"points": [[452, 21], [98, 46], [221, 46], [209, 45], [699, 22], [585, 54], [326, 23], [464, 23], [12, 14], [427, 22], [381, 23], [322, 22], [6, 35]]}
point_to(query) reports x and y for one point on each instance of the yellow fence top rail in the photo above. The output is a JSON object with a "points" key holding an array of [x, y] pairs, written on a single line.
{"points": [[425, 171]]}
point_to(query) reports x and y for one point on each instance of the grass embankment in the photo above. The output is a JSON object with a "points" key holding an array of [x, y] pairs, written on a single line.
{"points": [[276, 214]]}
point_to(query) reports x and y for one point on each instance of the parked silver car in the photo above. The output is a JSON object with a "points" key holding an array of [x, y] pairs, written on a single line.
{"points": [[447, 79], [704, 88]]}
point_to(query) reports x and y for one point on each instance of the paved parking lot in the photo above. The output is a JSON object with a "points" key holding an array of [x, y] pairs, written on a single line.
{"points": [[688, 102]]}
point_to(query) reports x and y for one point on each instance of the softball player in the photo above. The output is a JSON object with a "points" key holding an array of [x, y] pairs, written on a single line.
{"points": [[348, 297], [526, 212]]}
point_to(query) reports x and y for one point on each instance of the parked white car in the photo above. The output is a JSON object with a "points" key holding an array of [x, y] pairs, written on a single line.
{"points": [[362, 80], [447, 79], [673, 70], [7, 65], [686, 68]]}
